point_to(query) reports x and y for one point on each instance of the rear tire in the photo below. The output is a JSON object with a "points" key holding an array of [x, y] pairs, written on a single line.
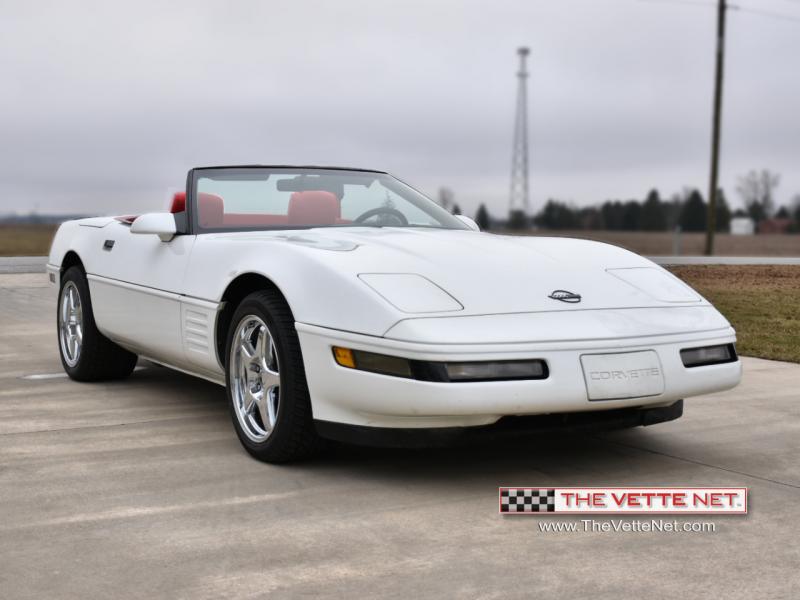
{"points": [[86, 354], [266, 381]]}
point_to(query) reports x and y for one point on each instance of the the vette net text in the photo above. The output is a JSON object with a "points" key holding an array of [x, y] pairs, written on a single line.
{"points": [[634, 500]]}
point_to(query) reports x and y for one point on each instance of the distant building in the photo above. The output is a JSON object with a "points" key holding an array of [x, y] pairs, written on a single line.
{"points": [[742, 226], [774, 226]]}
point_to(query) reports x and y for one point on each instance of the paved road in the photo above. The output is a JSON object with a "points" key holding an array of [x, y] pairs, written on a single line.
{"points": [[139, 489], [22, 264]]}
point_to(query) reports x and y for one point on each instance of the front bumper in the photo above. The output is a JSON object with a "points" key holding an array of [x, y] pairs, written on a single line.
{"points": [[348, 396], [506, 427]]}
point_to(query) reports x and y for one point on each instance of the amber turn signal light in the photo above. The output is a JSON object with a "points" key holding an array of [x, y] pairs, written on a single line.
{"points": [[344, 357]]}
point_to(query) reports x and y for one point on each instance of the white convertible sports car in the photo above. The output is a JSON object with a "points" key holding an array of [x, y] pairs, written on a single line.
{"points": [[341, 303]]}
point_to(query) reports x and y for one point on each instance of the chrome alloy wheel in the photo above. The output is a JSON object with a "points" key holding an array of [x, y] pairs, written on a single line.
{"points": [[70, 324], [255, 378]]}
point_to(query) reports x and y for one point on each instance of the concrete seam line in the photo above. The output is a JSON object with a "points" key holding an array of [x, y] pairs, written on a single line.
{"points": [[698, 462]]}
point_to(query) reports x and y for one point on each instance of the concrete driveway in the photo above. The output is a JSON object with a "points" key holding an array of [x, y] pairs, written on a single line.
{"points": [[139, 489]]}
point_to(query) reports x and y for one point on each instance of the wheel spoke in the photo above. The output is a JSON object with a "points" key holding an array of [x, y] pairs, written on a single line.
{"points": [[243, 375], [263, 412], [272, 406], [270, 379], [248, 401], [65, 311], [258, 347], [272, 357], [247, 350], [254, 378]]}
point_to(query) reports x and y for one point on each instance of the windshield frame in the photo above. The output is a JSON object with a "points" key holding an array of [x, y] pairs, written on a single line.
{"points": [[424, 203]]}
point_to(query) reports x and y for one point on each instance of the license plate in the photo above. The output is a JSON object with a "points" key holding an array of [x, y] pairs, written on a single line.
{"points": [[624, 375]]}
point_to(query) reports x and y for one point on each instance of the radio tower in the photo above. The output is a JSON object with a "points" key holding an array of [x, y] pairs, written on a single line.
{"points": [[518, 200]]}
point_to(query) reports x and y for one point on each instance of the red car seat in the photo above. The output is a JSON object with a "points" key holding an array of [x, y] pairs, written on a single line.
{"points": [[178, 202], [313, 208], [211, 210]]}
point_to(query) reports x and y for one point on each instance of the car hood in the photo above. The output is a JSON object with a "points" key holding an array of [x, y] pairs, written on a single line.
{"points": [[486, 273]]}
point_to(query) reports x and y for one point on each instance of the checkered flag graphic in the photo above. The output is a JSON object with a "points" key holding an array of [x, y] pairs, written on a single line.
{"points": [[527, 500]]}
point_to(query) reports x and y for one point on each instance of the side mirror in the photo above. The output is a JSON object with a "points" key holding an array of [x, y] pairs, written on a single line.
{"points": [[161, 224], [468, 222]]}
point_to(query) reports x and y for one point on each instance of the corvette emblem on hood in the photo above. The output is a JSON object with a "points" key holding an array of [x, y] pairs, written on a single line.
{"points": [[565, 296]]}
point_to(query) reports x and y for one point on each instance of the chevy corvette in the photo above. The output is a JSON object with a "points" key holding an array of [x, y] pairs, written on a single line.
{"points": [[342, 303]]}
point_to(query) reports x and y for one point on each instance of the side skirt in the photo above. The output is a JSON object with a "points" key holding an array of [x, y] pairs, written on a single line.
{"points": [[207, 377]]}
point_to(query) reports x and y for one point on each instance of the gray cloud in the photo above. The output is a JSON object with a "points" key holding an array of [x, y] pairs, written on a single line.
{"points": [[105, 105]]}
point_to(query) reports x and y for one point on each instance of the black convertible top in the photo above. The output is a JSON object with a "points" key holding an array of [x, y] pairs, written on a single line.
{"points": [[289, 167]]}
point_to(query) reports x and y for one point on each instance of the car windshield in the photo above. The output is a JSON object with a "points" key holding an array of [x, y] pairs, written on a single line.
{"points": [[259, 198]]}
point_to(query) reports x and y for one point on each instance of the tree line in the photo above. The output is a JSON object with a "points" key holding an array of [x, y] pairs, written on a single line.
{"points": [[687, 210], [653, 214]]}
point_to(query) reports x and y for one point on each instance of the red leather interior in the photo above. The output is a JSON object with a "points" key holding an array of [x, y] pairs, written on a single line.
{"points": [[313, 208], [211, 210], [253, 220], [178, 202], [307, 208]]}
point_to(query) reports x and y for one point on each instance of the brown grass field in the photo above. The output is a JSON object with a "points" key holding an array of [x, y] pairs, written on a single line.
{"points": [[692, 244], [34, 240], [761, 302], [26, 240]]}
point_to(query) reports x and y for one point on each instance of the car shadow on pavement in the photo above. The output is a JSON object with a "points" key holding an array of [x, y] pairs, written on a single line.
{"points": [[558, 457], [542, 459]]}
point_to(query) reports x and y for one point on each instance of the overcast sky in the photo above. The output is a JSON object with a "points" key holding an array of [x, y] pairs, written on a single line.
{"points": [[105, 105]]}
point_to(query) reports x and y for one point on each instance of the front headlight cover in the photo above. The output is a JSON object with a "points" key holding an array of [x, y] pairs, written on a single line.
{"points": [[411, 293], [656, 283]]}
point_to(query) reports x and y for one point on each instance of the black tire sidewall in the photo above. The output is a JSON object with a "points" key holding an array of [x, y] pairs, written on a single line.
{"points": [[293, 386], [76, 276]]}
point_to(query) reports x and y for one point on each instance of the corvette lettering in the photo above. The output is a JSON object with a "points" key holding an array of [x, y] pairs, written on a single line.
{"points": [[623, 375]]}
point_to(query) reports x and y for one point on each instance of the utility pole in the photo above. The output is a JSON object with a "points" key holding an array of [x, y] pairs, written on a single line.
{"points": [[711, 221], [518, 197]]}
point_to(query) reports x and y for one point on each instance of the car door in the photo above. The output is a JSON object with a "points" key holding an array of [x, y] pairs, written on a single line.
{"points": [[136, 285]]}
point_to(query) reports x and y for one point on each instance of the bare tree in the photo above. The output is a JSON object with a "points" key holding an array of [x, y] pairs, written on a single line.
{"points": [[794, 204], [446, 198], [757, 190], [795, 208]]}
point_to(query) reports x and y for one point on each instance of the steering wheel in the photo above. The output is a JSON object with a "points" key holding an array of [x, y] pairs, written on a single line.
{"points": [[382, 210]]}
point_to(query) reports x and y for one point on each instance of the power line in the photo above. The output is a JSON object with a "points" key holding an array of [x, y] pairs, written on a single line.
{"points": [[699, 3], [746, 9], [767, 13]]}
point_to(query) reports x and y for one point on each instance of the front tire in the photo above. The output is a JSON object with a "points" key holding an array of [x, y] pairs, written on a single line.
{"points": [[86, 354], [266, 382]]}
